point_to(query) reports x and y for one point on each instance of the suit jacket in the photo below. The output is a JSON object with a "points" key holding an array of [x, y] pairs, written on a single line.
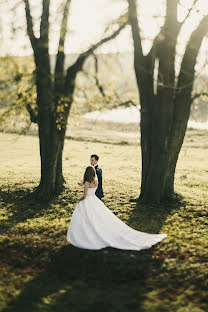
{"points": [[99, 191]]}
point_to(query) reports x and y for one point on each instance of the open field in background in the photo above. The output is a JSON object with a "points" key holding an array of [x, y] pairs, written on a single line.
{"points": [[83, 129], [41, 272]]}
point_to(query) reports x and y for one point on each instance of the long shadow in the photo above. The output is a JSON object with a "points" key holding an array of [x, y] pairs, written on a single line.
{"points": [[83, 280], [150, 218], [21, 206], [108, 280]]}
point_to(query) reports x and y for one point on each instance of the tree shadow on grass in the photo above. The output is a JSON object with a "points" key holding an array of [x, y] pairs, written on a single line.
{"points": [[83, 280], [20, 205], [150, 218], [108, 280]]}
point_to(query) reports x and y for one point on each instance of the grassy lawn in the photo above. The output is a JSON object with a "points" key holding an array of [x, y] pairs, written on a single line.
{"points": [[39, 271]]}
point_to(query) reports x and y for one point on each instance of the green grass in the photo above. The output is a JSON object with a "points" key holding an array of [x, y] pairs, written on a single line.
{"points": [[39, 271]]}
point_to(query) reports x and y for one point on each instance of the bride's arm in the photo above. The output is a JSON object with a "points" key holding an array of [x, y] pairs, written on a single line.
{"points": [[80, 183], [96, 182], [86, 186]]}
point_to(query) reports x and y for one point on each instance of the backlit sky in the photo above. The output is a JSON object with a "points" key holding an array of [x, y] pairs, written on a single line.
{"points": [[87, 21]]}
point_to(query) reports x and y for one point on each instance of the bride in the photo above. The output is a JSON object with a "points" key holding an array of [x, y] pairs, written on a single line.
{"points": [[94, 226]]}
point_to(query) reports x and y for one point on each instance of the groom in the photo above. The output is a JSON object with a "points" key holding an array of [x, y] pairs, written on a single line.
{"points": [[94, 162]]}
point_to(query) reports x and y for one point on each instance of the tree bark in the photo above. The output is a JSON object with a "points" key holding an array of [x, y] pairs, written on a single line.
{"points": [[51, 138], [155, 170], [164, 111], [54, 95], [52, 180]]}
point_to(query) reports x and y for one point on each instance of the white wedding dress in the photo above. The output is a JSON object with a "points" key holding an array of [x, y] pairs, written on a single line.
{"points": [[94, 226]]}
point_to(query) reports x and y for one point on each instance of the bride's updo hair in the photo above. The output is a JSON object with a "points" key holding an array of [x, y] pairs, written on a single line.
{"points": [[90, 174]]}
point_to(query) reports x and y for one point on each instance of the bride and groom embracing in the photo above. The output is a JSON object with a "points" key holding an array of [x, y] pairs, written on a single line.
{"points": [[94, 226]]}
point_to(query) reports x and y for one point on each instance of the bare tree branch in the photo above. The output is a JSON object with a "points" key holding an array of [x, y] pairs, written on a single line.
{"points": [[60, 56], [32, 113], [44, 24], [189, 12], [176, 25], [168, 34], [16, 5], [128, 103], [133, 19], [197, 95], [64, 26], [30, 32], [186, 74], [98, 84], [77, 66], [123, 103], [119, 21]]}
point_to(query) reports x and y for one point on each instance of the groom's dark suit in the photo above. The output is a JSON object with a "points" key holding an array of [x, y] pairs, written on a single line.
{"points": [[99, 191]]}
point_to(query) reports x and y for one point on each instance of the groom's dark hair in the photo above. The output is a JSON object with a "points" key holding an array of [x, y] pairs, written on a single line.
{"points": [[95, 156]]}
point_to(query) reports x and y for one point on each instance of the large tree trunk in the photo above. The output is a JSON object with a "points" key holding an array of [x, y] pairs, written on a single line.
{"points": [[60, 181], [55, 94], [157, 174], [165, 108], [51, 149], [52, 131], [158, 167], [51, 135], [146, 101]]}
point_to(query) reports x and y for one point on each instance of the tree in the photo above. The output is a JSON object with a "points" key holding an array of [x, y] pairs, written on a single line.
{"points": [[97, 90], [17, 94], [165, 109], [54, 94]]}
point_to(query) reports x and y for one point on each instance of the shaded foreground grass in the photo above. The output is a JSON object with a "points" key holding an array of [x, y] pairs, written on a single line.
{"points": [[41, 272]]}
